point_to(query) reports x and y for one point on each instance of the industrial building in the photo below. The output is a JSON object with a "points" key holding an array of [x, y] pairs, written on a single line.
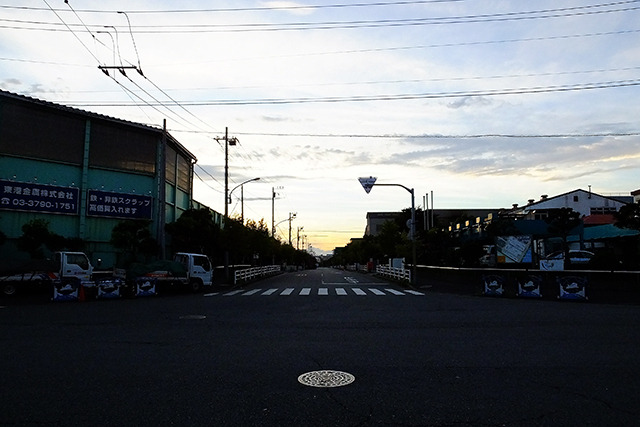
{"points": [[84, 172]]}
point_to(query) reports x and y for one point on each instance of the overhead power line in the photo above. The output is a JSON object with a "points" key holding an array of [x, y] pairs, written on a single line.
{"points": [[440, 136], [327, 25], [389, 97]]}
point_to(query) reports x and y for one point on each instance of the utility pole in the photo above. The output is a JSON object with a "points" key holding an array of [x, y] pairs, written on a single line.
{"points": [[291, 217], [298, 238], [273, 209], [162, 177], [227, 142]]}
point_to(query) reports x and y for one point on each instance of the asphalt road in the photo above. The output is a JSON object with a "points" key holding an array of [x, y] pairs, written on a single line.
{"points": [[233, 358]]}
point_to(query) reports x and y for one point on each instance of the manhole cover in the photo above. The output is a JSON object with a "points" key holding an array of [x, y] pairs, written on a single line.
{"points": [[326, 379], [194, 317]]}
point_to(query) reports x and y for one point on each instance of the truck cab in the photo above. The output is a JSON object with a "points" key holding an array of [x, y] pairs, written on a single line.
{"points": [[74, 264], [198, 267]]}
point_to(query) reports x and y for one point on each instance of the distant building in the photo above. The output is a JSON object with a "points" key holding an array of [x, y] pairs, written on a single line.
{"points": [[636, 196], [586, 203], [442, 218]]}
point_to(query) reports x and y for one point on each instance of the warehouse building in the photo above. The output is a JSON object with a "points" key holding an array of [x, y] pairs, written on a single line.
{"points": [[85, 172]]}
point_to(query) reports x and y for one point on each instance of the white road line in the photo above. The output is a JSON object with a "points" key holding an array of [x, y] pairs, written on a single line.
{"points": [[287, 291], [211, 294], [270, 291], [254, 291], [305, 291], [415, 292], [359, 291], [228, 294], [341, 291], [323, 291], [393, 291], [377, 291]]}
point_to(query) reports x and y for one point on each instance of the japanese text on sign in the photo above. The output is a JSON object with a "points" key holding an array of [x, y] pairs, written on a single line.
{"points": [[26, 196], [118, 205]]}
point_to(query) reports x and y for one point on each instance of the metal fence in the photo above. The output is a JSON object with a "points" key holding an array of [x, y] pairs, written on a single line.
{"points": [[253, 273]]}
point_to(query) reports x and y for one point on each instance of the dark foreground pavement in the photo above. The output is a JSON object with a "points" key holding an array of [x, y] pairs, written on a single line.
{"points": [[418, 360]]}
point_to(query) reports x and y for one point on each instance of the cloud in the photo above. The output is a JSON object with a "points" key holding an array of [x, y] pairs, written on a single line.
{"points": [[10, 84], [470, 101]]}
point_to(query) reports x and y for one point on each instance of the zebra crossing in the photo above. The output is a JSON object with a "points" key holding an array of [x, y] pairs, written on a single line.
{"points": [[322, 291]]}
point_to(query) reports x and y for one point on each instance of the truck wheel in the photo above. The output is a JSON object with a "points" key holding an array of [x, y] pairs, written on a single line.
{"points": [[9, 289], [195, 286]]}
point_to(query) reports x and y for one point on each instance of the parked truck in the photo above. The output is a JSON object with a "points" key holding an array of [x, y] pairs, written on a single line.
{"points": [[189, 271], [68, 272], [41, 274]]}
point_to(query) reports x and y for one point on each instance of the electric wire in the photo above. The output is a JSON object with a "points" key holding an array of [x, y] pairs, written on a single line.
{"points": [[391, 97], [327, 25]]}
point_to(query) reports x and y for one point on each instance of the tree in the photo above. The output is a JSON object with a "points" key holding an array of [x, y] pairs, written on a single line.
{"points": [[134, 238], [629, 216], [196, 231], [36, 239], [561, 222]]}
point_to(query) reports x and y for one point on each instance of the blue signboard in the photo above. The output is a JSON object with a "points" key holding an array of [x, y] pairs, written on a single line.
{"points": [[30, 197], [119, 205]]}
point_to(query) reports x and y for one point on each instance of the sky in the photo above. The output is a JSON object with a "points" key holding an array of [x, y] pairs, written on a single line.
{"points": [[484, 103]]}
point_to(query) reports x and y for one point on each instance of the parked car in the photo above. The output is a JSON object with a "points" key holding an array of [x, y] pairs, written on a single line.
{"points": [[575, 256]]}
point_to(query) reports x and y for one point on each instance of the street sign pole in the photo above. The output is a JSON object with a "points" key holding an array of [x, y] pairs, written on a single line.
{"points": [[367, 184]]}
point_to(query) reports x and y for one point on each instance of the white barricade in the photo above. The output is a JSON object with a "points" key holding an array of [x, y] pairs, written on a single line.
{"points": [[394, 272], [247, 274]]}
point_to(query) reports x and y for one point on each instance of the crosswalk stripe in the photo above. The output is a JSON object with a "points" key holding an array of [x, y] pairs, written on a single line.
{"points": [[319, 291], [228, 294]]}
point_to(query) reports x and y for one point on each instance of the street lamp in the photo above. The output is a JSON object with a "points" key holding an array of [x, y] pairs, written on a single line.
{"points": [[367, 183], [241, 185]]}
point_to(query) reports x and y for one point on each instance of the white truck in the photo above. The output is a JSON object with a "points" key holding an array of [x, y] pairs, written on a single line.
{"points": [[187, 270], [35, 274]]}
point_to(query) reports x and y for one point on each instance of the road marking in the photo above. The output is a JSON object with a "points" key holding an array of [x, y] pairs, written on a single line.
{"points": [[305, 291], [415, 292], [377, 291], [351, 279], [254, 291], [359, 291], [228, 294], [287, 291], [270, 291], [211, 294], [341, 291], [323, 291], [393, 291]]}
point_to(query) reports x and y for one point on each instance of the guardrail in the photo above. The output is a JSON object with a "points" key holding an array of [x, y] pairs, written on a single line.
{"points": [[252, 273], [393, 272]]}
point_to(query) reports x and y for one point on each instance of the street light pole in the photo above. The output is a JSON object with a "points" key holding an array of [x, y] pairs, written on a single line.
{"points": [[241, 185]]}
